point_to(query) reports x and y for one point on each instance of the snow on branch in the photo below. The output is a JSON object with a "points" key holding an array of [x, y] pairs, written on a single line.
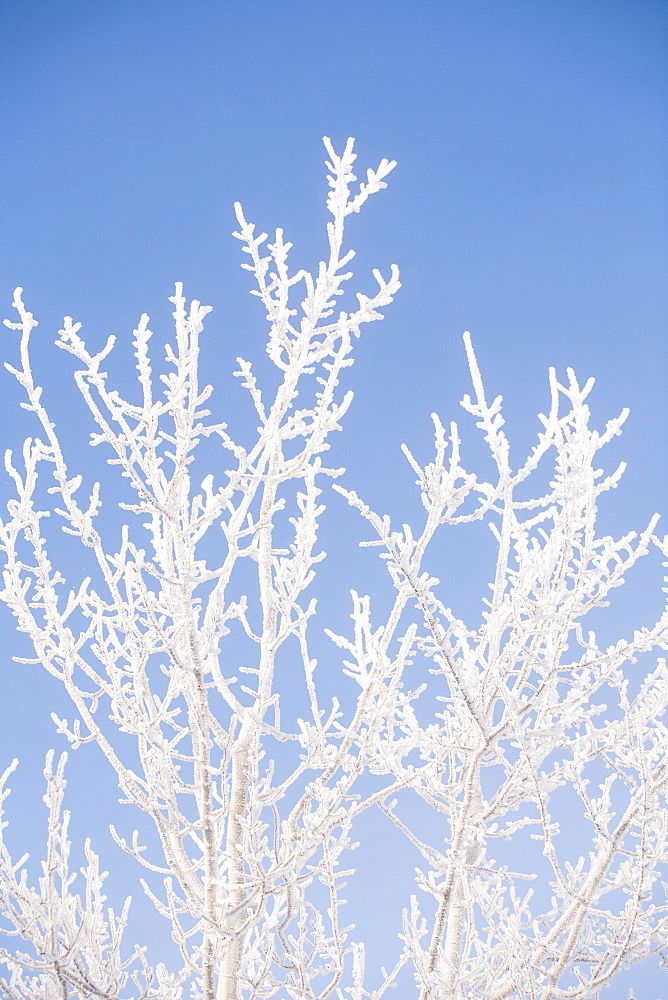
{"points": [[180, 670]]}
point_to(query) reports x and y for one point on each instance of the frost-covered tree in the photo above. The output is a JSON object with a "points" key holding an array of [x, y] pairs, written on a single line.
{"points": [[168, 651]]}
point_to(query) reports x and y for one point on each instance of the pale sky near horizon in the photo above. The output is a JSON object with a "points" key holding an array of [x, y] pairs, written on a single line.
{"points": [[528, 206]]}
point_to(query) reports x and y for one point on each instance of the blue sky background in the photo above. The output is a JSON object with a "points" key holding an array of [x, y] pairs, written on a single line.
{"points": [[528, 206]]}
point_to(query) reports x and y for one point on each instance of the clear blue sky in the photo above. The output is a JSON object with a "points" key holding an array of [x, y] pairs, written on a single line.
{"points": [[528, 205]]}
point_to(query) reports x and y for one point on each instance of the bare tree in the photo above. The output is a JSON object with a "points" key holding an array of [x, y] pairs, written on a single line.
{"points": [[253, 815]]}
